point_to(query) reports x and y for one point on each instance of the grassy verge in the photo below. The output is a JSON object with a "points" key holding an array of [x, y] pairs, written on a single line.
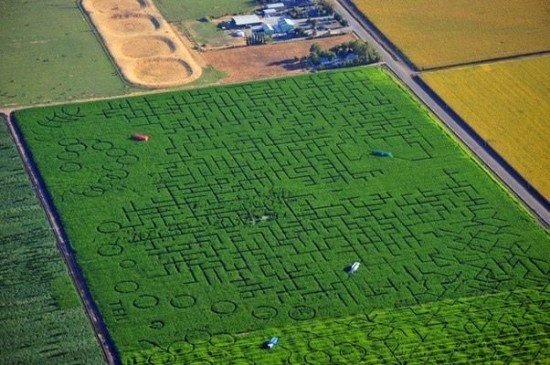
{"points": [[186, 15]]}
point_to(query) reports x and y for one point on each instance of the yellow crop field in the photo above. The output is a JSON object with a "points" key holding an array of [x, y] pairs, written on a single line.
{"points": [[440, 33], [507, 104]]}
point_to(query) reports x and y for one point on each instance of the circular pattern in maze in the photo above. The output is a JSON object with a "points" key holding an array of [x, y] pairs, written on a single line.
{"points": [[198, 337], [224, 307], [301, 313], [352, 352], [127, 264], [110, 250], [127, 286], [109, 227], [222, 339], [183, 301], [146, 301], [181, 348], [264, 312]]}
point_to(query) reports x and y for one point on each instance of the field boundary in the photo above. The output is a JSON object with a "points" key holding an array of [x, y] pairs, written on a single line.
{"points": [[110, 353], [494, 154], [489, 60]]}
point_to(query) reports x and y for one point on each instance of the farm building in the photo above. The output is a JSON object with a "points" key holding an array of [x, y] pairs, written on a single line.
{"points": [[284, 25], [276, 6], [293, 3], [266, 29], [245, 21], [270, 12], [239, 33]]}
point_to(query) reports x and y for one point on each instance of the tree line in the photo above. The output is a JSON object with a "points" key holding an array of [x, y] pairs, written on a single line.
{"points": [[353, 53]]}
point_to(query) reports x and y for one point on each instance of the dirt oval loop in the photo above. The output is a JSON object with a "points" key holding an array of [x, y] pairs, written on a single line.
{"points": [[109, 6], [133, 24], [162, 70], [138, 47]]}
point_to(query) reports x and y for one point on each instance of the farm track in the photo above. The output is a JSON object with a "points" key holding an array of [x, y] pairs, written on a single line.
{"points": [[405, 71], [109, 352]]}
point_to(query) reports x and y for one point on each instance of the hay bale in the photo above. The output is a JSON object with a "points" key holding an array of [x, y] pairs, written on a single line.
{"points": [[140, 137]]}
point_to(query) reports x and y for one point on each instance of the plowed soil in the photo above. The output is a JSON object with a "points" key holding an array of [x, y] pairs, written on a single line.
{"points": [[257, 62]]}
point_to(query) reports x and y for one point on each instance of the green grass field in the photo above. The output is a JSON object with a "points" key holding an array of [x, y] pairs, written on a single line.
{"points": [[180, 10], [237, 220], [41, 318], [49, 53], [186, 14]]}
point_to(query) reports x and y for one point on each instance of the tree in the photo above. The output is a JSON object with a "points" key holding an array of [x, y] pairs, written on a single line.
{"points": [[315, 59], [315, 48], [313, 23]]}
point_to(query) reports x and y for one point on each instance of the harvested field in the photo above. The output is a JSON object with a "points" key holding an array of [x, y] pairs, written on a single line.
{"points": [[506, 103], [440, 33], [237, 220], [257, 62], [146, 49]]}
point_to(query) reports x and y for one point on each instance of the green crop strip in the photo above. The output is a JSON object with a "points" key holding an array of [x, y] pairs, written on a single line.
{"points": [[41, 318], [248, 203]]}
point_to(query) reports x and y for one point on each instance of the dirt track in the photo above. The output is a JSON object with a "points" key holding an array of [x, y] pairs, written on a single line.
{"points": [[145, 48]]}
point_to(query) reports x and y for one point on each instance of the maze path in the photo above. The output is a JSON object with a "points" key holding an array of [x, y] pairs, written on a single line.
{"points": [[249, 201]]}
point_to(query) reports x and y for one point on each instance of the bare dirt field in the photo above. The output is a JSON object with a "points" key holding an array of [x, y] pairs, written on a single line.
{"points": [[256, 62], [146, 49]]}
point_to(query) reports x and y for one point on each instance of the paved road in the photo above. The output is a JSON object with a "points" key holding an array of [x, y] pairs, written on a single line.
{"points": [[405, 72], [109, 352]]}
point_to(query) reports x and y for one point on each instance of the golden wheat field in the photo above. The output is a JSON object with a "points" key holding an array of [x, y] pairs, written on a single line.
{"points": [[507, 104], [440, 33]]}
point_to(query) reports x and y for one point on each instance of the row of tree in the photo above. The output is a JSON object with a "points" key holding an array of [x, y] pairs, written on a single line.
{"points": [[256, 38], [353, 53]]}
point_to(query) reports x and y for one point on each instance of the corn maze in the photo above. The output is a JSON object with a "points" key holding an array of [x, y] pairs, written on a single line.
{"points": [[238, 219]]}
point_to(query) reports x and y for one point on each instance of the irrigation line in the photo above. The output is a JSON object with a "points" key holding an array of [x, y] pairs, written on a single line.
{"points": [[102, 335]]}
